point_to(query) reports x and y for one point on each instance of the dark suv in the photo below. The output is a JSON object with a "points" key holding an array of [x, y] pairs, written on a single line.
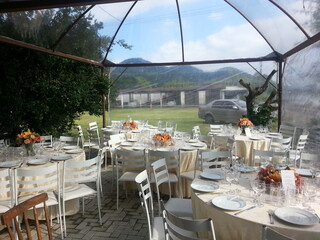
{"points": [[223, 110]]}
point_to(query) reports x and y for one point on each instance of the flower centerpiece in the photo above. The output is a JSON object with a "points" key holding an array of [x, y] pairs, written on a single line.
{"points": [[132, 125], [162, 139], [27, 139], [272, 175], [244, 123]]}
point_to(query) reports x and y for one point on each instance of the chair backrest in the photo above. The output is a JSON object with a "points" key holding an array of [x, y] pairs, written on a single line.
{"points": [[161, 175], [207, 139], [6, 189], [280, 144], [171, 128], [270, 234], [301, 142], [119, 138], [162, 125], [81, 171], [265, 156], [93, 126], [220, 142], [216, 158], [145, 195], [215, 129], [11, 216], [308, 160], [172, 158], [68, 140], [185, 228], [46, 140], [130, 160], [288, 131], [107, 134], [44, 178]]}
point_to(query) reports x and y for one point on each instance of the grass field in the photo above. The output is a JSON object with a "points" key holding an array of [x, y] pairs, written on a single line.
{"points": [[185, 118]]}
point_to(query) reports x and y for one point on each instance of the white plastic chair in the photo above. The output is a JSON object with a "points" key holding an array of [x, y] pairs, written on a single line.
{"points": [[7, 192], [184, 228], [270, 234], [155, 224], [128, 166], [179, 206], [31, 181], [76, 174]]}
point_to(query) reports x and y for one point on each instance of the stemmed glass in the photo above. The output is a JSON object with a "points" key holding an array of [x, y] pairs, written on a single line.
{"points": [[258, 188]]}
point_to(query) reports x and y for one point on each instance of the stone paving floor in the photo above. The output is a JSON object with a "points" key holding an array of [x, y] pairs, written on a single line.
{"points": [[128, 222]]}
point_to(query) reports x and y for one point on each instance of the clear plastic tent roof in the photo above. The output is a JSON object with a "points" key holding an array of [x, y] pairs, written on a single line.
{"points": [[169, 31]]}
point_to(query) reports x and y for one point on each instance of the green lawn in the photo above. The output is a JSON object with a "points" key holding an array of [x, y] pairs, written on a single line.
{"points": [[186, 118]]}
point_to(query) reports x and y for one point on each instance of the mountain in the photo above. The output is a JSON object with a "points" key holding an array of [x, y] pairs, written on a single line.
{"points": [[160, 76]]}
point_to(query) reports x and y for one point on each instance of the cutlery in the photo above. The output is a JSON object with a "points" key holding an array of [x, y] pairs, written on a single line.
{"points": [[247, 209], [271, 212]]}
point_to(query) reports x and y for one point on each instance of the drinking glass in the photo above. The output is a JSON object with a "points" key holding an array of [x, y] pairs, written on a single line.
{"points": [[258, 187]]}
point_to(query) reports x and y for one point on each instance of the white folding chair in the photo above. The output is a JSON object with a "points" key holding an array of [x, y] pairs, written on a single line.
{"points": [[128, 166], [31, 181], [75, 176], [270, 234], [180, 207], [294, 154], [173, 165], [184, 228], [155, 224], [288, 131], [7, 190]]}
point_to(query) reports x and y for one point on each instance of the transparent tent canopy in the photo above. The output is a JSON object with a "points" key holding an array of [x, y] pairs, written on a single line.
{"points": [[254, 36]]}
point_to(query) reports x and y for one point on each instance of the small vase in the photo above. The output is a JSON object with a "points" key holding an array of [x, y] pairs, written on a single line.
{"points": [[30, 150]]}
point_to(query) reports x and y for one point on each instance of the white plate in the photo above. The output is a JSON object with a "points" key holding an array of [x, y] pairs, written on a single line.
{"points": [[204, 186], [126, 144], [74, 151], [136, 131], [193, 140], [212, 174], [274, 134], [231, 203], [255, 138], [38, 161], [197, 144], [132, 140], [245, 168], [188, 148], [70, 147], [60, 158], [10, 164], [304, 172], [296, 216], [138, 148], [163, 149]]}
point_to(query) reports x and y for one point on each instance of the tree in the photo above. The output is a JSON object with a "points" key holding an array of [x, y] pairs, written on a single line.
{"points": [[260, 114]]}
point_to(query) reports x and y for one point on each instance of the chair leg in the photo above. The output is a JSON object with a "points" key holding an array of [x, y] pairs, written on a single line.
{"points": [[117, 194]]}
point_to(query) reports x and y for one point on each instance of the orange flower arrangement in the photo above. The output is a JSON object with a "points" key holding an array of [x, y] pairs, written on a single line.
{"points": [[162, 139], [132, 125], [28, 137], [245, 122], [271, 175]]}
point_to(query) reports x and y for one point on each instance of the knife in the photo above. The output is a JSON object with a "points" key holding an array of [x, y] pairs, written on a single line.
{"points": [[247, 209]]}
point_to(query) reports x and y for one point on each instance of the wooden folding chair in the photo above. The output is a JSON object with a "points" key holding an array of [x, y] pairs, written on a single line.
{"points": [[10, 217]]}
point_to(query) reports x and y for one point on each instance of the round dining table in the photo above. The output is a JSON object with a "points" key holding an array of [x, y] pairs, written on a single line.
{"points": [[248, 224]]}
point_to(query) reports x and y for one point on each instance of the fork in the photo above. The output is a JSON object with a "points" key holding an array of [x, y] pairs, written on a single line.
{"points": [[271, 212]]}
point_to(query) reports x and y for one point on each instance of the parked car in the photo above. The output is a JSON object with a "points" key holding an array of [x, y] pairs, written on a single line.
{"points": [[223, 110]]}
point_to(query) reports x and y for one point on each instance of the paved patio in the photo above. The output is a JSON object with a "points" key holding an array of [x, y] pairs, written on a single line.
{"points": [[128, 222]]}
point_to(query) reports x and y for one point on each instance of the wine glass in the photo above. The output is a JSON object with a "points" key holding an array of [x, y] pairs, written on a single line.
{"points": [[258, 187]]}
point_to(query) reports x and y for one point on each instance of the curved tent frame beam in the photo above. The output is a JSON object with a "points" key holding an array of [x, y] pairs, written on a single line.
{"points": [[118, 29], [181, 33]]}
